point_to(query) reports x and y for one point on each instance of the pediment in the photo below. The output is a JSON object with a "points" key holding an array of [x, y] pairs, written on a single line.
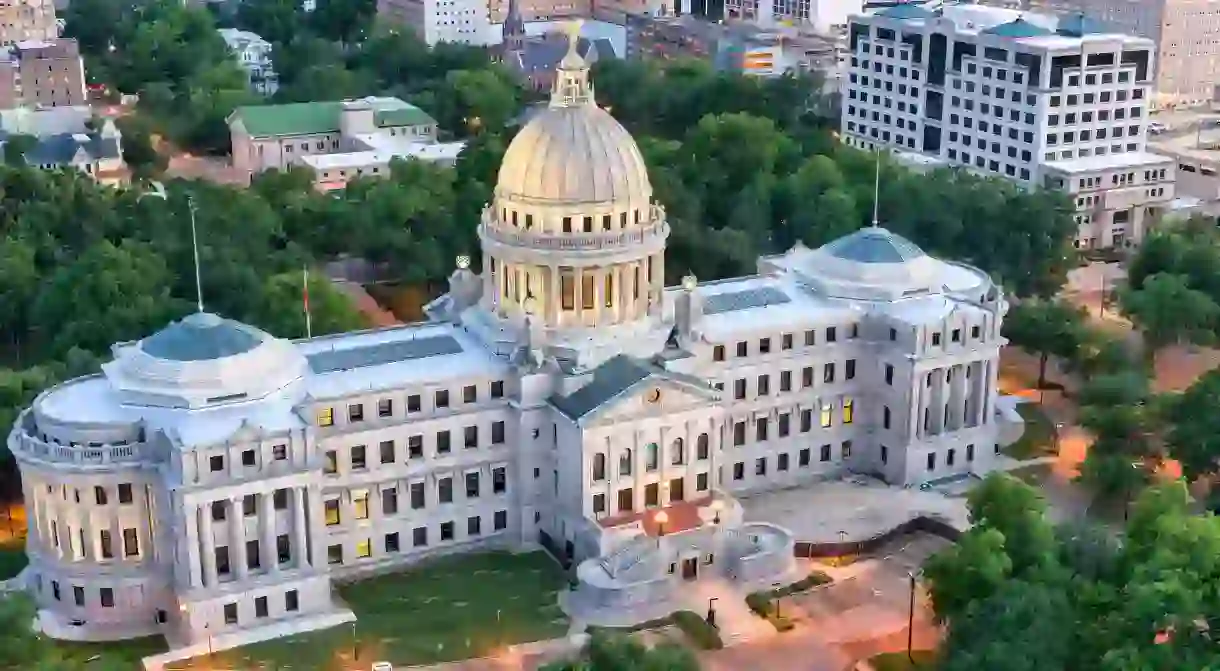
{"points": [[652, 396]]}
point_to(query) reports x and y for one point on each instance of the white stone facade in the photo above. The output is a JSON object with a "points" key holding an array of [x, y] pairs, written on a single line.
{"points": [[253, 54], [214, 479], [1116, 206], [996, 90]]}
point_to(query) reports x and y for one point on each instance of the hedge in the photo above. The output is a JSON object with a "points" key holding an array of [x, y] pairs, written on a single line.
{"points": [[702, 634], [763, 603]]}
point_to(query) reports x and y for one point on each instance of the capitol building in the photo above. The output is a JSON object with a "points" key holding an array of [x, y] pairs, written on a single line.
{"points": [[213, 481]]}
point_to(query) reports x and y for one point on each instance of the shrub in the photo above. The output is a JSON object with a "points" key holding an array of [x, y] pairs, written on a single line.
{"points": [[759, 602], [702, 634]]}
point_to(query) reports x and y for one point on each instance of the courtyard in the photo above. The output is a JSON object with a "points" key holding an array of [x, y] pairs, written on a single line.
{"points": [[456, 608]]}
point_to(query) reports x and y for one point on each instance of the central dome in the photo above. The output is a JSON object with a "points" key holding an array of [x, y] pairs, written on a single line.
{"points": [[574, 154]]}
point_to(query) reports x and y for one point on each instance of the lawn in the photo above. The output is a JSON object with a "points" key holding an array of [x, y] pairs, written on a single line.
{"points": [[112, 655], [1038, 438], [455, 608], [1034, 475], [12, 557], [925, 660]]}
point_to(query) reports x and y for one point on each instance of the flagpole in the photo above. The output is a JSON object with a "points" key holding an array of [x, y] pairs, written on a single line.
{"points": [[305, 300], [190, 203]]}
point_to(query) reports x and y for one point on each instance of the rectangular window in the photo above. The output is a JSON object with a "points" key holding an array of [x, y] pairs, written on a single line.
{"points": [[389, 501], [470, 394], [828, 373], [497, 433], [848, 411], [500, 519], [806, 420], [718, 353], [739, 471], [106, 595], [414, 404], [499, 480], [417, 495], [472, 485], [474, 526], [497, 389], [742, 349], [260, 606], [803, 457], [385, 407], [415, 447], [760, 429], [825, 453], [124, 492], [785, 381], [810, 338], [764, 385], [739, 389], [387, 451], [106, 549], [701, 483], [330, 464], [358, 458], [470, 437], [784, 424], [441, 398], [807, 377], [355, 412], [334, 554], [739, 434], [326, 417], [292, 602], [230, 612], [442, 442], [764, 346], [825, 417], [100, 494], [782, 464], [131, 543], [216, 463], [850, 372], [444, 489], [278, 453], [364, 548], [419, 537], [446, 531], [78, 595], [330, 509], [283, 550], [889, 374], [360, 505]]}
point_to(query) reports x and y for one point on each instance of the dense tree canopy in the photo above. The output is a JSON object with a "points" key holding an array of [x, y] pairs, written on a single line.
{"points": [[620, 653], [1084, 602], [746, 166]]}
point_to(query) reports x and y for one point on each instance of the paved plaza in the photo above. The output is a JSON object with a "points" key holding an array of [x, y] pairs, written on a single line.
{"points": [[853, 509]]}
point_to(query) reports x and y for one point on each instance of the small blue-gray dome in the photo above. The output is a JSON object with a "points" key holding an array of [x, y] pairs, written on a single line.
{"points": [[202, 337], [874, 245]]}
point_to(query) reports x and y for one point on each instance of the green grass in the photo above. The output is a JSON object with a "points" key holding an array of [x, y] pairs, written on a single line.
{"points": [[112, 655], [898, 661], [1038, 438], [1034, 474], [455, 608], [12, 557]]}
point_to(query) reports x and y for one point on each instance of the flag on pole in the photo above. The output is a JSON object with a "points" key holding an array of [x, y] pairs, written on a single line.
{"points": [[305, 300]]}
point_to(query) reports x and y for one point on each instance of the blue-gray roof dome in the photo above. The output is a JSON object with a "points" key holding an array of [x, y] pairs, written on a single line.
{"points": [[1077, 24], [906, 10], [1017, 29], [874, 245], [202, 336]]}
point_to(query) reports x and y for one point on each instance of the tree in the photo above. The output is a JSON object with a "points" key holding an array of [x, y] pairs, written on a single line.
{"points": [[1018, 511], [1021, 627], [969, 571], [139, 153], [343, 20], [1194, 427], [16, 147], [330, 310], [1167, 310], [1046, 328]]}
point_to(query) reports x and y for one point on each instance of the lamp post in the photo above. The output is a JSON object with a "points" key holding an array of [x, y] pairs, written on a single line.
{"points": [[716, 506], [911, 620], [660, 518], [355, 646], [711, 611], [775, 590]]}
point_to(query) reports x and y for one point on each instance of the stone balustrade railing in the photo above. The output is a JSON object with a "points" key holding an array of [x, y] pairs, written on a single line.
{"points": [[32, 446], [575, 241]]}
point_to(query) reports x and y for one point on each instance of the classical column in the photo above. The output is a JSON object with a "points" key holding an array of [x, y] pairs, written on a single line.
{"points": [[208, 544], [554, 297], [300, 548], [317, 532], [194, 573], [915, 408], [599, 296], [268, 558], [237, 539], [578, 288]]}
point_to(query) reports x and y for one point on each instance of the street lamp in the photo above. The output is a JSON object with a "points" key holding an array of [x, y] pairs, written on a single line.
{"points": [[911, 621], [711, 611], [355, 647], [775, 590], [1058, 433], [660, 518], [716, 506]]}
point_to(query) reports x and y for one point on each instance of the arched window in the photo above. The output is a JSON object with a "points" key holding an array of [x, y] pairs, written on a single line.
{"points": [[624, 462], [599, 466], [652, 457], [701, 447], [678, 452]]}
